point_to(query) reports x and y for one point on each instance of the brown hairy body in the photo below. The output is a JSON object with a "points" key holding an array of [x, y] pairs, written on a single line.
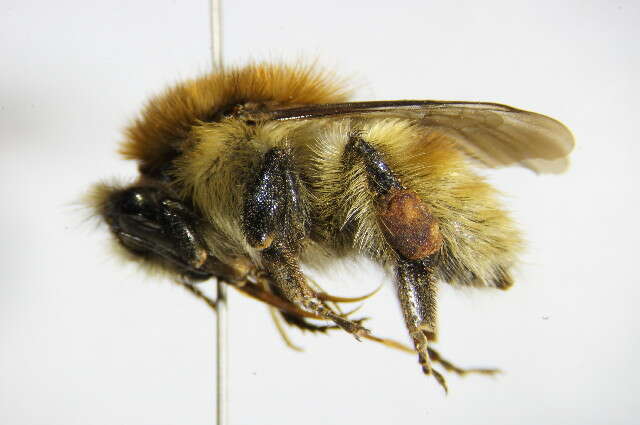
{"points": [[247, 173]]}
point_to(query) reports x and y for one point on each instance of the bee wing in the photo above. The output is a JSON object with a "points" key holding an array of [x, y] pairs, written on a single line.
{"points": [[494, 134]]}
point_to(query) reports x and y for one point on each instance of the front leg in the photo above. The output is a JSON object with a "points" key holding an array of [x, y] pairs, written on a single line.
{"points": [[274, 221]]}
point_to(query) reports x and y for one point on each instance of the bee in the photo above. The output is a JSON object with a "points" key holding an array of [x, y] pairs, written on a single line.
{"points": [[248, 173]]}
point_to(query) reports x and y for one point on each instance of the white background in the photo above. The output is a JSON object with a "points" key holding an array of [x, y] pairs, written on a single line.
{"points": [[85, 339]]}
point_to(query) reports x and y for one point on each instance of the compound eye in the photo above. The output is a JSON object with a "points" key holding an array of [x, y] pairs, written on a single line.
{"points": [[133, 202], [139, 205]]}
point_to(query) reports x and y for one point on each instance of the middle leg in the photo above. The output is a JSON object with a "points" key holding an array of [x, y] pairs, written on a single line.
{"points": [[274, 221]]}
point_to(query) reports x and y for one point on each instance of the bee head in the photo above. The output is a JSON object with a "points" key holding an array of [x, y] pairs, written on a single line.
{"points": [[152, 226]]}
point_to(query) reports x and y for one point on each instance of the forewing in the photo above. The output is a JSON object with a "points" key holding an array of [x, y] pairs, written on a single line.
{"points": [[499, 135], [496, 135]]}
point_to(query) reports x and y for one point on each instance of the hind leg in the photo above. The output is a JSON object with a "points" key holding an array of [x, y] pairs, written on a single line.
{"points": [[412, 233], [417, 292]]}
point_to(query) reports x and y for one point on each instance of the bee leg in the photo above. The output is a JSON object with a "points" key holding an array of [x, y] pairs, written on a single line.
{"points": [[274, 222], [450, 367], [417, 292], [198, 294], [273, 209], [285, 271], [411, 230]]}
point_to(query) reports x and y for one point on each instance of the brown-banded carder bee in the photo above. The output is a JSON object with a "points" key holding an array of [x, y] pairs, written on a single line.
{"points": [[248, 173]]}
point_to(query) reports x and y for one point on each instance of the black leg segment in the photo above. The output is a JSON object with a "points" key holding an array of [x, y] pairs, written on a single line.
{"points": [[417, 291], [274, 221], [381, 177], [272, 207]]}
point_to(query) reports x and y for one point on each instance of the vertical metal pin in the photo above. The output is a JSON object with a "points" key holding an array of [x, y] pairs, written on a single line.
{"points": [[216, 33], [221, 355], [221, 303]]}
